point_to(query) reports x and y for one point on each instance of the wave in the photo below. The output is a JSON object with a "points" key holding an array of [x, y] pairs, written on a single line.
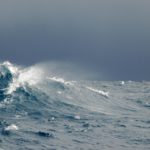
{"points": [[18, 80], [19, 83]]}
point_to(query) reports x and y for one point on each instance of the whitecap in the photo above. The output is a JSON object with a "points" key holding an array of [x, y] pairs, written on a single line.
{"points": [[11, 127], [77, 117], [60, 80], [31, 76], [122, 82], [105, 94]]}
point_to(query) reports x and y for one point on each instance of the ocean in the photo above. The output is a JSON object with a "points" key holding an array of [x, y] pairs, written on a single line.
{"points": [[41, 110]]}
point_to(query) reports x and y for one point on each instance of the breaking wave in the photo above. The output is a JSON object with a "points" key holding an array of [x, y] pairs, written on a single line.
{"points": [[36, 78]]}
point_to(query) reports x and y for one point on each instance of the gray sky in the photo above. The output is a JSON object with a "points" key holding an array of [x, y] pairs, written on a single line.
{"points": [[108, 36]]}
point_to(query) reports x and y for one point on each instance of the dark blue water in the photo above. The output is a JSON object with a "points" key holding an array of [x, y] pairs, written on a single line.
{"points": [[40, 111]]}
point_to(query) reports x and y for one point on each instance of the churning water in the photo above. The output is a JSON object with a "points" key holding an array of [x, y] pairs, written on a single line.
{"points": [[43, 111]]}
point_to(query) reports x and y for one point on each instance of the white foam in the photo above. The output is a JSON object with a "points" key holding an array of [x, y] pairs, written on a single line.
{"points": [[59, 92], [122, 83], [13, 69], [11, 127], [60, 80], [105, 94], [77, 117], [53, 118], [30, 76]]}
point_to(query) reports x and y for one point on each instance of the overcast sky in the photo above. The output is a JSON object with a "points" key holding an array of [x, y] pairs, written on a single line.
{"points": [[109, 36]]}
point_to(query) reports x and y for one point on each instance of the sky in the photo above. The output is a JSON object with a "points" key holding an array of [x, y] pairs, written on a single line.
{"points": [[109, 37]]}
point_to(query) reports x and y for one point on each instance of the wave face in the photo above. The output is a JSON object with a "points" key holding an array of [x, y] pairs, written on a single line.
{"points": [[42, 110]]}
